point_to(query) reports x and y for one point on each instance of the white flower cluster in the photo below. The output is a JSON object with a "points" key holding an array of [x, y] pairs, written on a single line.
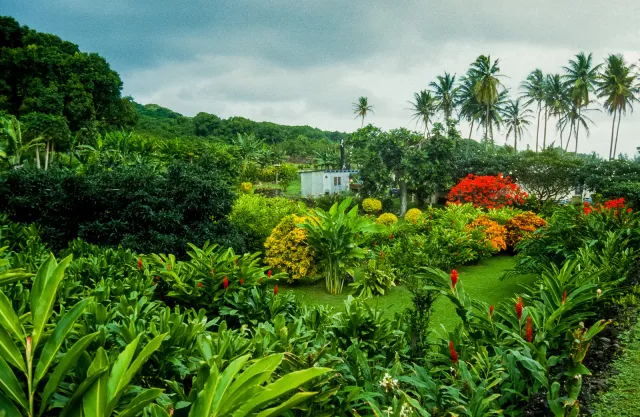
{"points": [[404, 411], [388, 383]]}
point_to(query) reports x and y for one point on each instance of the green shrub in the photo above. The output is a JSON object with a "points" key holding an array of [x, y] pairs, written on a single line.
{"points": [[371, 205], [257, 216], [387, 219]]}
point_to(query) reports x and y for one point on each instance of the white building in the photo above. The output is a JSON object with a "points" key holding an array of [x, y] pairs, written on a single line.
{"points": [[315, 183]]}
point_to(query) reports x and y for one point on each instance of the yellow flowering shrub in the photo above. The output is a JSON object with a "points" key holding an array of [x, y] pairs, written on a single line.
{"points": [[286, 249], [246, 187], [414, 215], [522, 226], [387, 219], [371, 205], [495, 234]]}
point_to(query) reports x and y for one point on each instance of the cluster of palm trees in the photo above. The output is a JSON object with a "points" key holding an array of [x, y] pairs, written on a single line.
{"points": [[481, 99]]}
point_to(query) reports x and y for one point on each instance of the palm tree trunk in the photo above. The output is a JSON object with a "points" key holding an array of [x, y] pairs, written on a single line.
{"points": [[403, 197], [486, 130], [561, 142], [515, 142], [577, 132], [342, 153], [471, 130], [613, 126], [46, 156], [569, 138], [544, 139], [362, 124], [38, 157], [615, 145], [538, 128]]}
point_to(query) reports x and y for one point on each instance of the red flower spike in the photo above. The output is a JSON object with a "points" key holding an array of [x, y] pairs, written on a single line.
{"points": [[241, 281], [491, 312], [454, 354], [564, 298], [269, 273], [199, 284], [139, 263], [454, 279], [391, 236], [519, 307], [275, 290], [529, 333], [225, 282]]}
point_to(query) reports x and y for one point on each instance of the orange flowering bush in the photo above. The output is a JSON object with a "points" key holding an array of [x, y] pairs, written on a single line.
{"points": [[287, 249], [495, 234], [487, 192], [521, 226]]}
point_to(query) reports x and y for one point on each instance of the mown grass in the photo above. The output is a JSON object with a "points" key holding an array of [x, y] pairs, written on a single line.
{"points": [[481, 281], [623, 396]]}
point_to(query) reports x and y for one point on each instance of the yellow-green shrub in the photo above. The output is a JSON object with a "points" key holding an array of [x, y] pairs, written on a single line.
{"points": [[371, 205], [387, 219], [287, 249], [413, 215], [246, 187]]}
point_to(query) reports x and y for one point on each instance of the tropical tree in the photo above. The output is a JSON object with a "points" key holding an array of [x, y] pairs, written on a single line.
{"points": [[444, 91], [617, 85], [581, 78], [556, 102], [470, 108], [14, 147], [494, 115], [516, 117], [486, 87], [249, 146], [361, 108], [534, 92], [424, 108]]}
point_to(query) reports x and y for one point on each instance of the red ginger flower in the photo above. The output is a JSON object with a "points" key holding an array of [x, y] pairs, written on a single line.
{"points": [[199, 284], [275, 290], [564, 298], [529, 333], [452, 351], [519, 307], [269, 273], [225, 282], [491, 312], [454, 279], [139, 263], [241, 281]]}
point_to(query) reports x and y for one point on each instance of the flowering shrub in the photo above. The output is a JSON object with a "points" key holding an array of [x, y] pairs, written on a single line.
{"points": [[287, 249], [387, 219], [371, 205], [503, 215], [246, 187], [495, 234], [414, 215], [521, 226], [609, 205], [487, 191]]}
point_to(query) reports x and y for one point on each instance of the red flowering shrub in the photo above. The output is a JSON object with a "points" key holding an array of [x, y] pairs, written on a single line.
{"points": [[615, 205], [487, 191]]}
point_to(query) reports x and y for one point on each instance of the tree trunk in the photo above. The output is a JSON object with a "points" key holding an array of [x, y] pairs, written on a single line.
{"points": [[403, 197], [561, 134], [515, 142], [38, 157], [471, 130], [613, 126], [577, 132], [569, 138], [615, 145], [342, 153], [486, 129], [46, 156], [544, 139], [362, 124], [538, 128]]}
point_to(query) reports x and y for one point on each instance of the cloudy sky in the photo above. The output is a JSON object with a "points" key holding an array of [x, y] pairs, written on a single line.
{"points": [[304, 62]]}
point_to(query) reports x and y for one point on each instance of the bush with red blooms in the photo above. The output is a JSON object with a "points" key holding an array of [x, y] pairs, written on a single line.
{"points": [[615, 205], [487, 191]]}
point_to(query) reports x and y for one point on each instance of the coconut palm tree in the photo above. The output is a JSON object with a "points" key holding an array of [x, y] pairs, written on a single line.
{"points": [[516, 117], [486, 88], [465, 99], [494, 117], [576, 117], [424, 107], [534, 92], [557, 101], [362, 108], [444, 91], [617, 86], [581, 78]]}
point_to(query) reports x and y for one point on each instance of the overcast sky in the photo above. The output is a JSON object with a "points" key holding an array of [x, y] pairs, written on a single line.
{"points": [[300, 62]]}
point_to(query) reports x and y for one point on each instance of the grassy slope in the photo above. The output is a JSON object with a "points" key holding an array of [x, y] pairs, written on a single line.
{"points": [[623, 397], [481, 281]]}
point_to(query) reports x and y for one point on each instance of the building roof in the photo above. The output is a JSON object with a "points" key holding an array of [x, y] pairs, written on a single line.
{"points": [[341, 171]]}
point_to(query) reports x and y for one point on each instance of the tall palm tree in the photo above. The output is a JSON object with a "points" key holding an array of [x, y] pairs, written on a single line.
{"points": [[444, 91], [581, 76], [516, 119], [617, 85], [495, 114], [486, 87], [424, 108], [466, 100], [556, 101], [575, 118], [534, 91], [362, 108]]}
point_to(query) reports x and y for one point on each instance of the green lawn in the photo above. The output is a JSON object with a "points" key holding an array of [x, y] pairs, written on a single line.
{"points": [[481, 281]]}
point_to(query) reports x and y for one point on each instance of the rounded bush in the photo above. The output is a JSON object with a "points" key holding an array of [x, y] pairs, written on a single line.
{"points": [[246, 187], [387, 219], [413, 215], [287, 249], [371, 205]]}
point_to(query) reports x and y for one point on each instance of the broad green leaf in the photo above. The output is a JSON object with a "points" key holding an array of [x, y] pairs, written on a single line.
{"points": [[8, 407], [287, 405], [67, 361], [94, 401], [256, 374], [10, 277], [10, 386], [74, 406], [10, 351], [120, 367], [58, 335], [9, 319], [140, 402], [43, 295], [203, 405], [157, 411]]}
